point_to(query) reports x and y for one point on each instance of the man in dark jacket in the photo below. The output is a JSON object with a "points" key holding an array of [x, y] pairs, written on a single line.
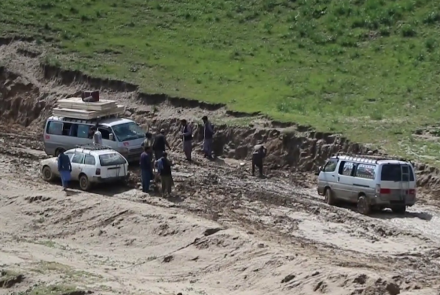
{"points": [[186, 132], [64, 168], [208, 133], [146, 169], [164, 169], [160, 142], [257, 158]]}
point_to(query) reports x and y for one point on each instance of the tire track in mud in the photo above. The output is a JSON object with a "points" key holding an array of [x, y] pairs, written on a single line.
{"points": [[227, 195]]}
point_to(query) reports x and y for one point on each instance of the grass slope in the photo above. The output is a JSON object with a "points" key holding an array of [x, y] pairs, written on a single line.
{"points": [[367, 68]]}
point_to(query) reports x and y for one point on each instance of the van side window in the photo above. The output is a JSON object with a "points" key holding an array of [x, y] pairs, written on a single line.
{"points": [[67, 129], [330, 166], [83, 131], [55, 128], [365, 171], [346, 168]]}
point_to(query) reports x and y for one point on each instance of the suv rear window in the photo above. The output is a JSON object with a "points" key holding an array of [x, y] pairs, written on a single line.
{"points": [[111, 159], [393, 172]]}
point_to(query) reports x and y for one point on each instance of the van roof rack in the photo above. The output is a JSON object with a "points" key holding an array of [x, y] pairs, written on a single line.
{"points": [[370, 158], [94, 120], [93, 147]]}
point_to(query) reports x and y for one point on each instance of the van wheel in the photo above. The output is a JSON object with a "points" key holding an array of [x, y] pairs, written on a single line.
{"points": [[329, 197], [362, 206], [47, 173], [399, 209], [84, 183], [58, 151]]}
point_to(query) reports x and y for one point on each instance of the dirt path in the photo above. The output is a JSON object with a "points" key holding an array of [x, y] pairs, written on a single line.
{"points": [[265, 237]]}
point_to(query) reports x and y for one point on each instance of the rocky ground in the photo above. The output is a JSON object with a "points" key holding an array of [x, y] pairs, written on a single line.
{"points": [[224, 232]]}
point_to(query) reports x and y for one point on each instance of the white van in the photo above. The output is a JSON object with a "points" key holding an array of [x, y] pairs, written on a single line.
{"points": [[122, 135], [371, 182]]}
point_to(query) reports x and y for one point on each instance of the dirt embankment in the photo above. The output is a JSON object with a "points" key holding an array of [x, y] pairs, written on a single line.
{"points": [[29, 90]]}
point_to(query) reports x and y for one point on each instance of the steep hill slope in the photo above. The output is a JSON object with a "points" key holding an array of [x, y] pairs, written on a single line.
{"points": [[368, 68]]}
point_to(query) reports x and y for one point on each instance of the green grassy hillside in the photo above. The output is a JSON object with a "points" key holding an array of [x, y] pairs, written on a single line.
{"points": [[366, 68]]}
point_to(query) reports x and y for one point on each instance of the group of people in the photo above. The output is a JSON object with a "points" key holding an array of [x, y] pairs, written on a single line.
{"points": [[156, 147], [208, 134], [155, 156], [163, 165]]}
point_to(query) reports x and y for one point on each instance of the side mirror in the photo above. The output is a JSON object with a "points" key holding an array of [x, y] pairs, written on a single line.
{"points": [[111, 137], [319, 170]]}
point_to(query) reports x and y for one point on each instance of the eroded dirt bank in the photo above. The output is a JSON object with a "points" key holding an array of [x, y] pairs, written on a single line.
{"points": [[224, 233]]}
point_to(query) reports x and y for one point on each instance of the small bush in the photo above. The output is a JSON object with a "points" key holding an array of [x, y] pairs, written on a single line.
{"points": [[377, 116], [432, 18], [430, 44], [408, 31], [73, 10]]}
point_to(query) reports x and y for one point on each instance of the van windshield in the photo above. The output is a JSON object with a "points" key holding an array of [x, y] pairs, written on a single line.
{"points": [[393, 172], [128, 131], [111, 159]]}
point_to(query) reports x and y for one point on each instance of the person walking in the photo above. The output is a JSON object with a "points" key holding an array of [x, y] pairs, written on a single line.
{"points": [[166, 178], [257, 158], [208, 133], [160, 142], [146, 169], [64, 168], [187, 139]]}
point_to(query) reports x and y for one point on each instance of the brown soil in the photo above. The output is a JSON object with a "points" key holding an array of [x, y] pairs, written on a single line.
{"points": [[223, 232]]}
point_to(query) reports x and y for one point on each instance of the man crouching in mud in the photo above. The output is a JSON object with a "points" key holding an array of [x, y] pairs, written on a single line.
{"points": [[257, 159]]}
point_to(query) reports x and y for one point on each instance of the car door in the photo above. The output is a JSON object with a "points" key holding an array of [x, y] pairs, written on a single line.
{"points": [[89, 165], [345, 180], [77, 165], [363, 181], [327, 177]]}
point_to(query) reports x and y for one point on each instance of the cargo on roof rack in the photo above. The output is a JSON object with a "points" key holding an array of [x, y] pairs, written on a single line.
{"points": [[77, 108]]}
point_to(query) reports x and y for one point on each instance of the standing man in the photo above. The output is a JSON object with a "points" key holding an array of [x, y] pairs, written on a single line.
{"points": [[187, 139], [257, 158], [160, 142], [148, 139], [64, 168], [208, 133], [164, 169], [146, 169], [97, 136]]}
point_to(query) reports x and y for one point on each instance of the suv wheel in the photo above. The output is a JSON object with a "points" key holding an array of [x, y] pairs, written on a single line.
{"points": [[362, 206], [399, 209], [329, 197], [47, 173], [84, 183]]}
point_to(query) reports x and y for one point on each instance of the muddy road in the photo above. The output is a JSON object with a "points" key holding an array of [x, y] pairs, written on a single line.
{"points": [[266, 231], [224, 232]]}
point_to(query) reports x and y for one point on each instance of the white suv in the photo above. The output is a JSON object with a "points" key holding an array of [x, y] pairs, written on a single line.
{"points": [[90, 164]]}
